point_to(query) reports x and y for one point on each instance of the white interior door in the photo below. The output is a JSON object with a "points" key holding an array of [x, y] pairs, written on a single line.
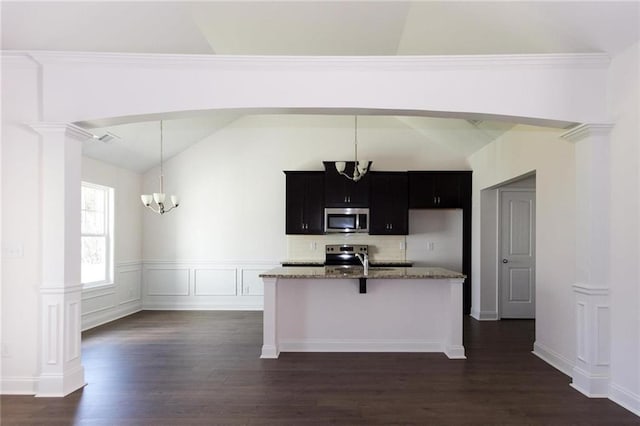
{"points": [[517, 248]]}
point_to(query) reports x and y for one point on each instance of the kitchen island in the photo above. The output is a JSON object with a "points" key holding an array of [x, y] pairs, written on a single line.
{"points": [[318, 309]]}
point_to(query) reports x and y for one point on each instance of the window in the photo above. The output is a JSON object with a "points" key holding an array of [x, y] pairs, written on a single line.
{"points": [[97, 234]]}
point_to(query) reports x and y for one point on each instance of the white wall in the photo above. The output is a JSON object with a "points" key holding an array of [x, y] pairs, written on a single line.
{"points": [[624, 258], [21, 218], [232, 190], [517, 153], [106, 303]]}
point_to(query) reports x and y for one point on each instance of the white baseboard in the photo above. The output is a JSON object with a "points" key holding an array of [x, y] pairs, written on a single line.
{"points": [[625, 398], [553, 358], [18, 385], [269, 352], [455, 352], [94, 320], [326, 345], [484, 315], [198, 307]]}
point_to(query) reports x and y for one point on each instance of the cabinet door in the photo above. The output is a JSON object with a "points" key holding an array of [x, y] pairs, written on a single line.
{"points": [[389, 204], [447, 190], [304, 203], [422, 190], [314, 204], [437, 190], [343, 192]]}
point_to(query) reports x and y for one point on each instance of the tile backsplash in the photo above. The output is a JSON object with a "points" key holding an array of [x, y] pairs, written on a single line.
{"points": [[311, 247]]}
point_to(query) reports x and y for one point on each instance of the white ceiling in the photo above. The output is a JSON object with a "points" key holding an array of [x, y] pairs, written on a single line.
{"points": [[311, 28], [322, 27]]}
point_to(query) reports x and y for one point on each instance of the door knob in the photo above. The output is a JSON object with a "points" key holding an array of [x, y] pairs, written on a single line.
{"points": [[505, 261]]}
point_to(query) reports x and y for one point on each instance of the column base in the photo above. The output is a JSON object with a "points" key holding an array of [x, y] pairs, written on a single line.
{"points": [[269, 352], [58, 385], [591, 385]]}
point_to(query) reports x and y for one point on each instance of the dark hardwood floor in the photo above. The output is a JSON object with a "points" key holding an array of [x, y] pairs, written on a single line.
{"points": [[203, 368]]}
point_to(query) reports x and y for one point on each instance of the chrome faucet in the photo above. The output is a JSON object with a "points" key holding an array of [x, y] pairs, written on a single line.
{"points": [[364, 259]]}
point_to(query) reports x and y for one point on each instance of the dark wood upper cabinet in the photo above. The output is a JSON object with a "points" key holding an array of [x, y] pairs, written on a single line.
{"points": [[343, 192], [389, 207], [304, 203], [439, 190]]}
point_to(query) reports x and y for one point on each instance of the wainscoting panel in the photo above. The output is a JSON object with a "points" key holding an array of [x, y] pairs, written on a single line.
{"points": [[106, 303], [203, 285], [215, 282], [251, 282], [129, 285], [167, 281]]}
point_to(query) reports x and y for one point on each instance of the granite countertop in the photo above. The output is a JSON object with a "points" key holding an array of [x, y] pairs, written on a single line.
{"points": [[390, 263], [320, 272]]}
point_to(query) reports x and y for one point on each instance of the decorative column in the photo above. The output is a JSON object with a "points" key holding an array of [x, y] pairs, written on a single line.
{"points": [[591, 290], [61, 370]]}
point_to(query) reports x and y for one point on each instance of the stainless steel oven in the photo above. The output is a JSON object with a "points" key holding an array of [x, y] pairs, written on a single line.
{"points": [[346, 220]]}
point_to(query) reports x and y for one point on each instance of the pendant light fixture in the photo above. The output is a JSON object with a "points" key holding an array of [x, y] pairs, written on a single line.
{"points": [[360, 168], [159, 197]]}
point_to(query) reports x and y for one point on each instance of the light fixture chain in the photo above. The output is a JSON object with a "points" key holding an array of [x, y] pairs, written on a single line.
{"points": [[161, 164], [356, 140]]}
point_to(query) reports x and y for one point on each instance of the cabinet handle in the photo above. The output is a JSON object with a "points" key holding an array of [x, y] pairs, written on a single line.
{"points": [[435, 200], [391, 226], [438, 200]]}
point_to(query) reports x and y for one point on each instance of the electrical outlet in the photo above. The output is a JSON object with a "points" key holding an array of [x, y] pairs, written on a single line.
{"points": [[430, 245], [313, 245], [12, 252]]}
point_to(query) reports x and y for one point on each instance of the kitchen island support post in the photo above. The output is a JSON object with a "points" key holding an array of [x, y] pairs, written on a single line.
{"points": [[453, 347], [270, 331]]}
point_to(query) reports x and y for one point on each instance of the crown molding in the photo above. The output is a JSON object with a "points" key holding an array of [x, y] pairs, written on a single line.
{"points": [[407, 63], [586, 130], [72, 130]]}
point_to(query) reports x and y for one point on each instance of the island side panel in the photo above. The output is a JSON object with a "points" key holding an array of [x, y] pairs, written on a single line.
{"points": [[454, 348], [269, 325], [395, 315]]}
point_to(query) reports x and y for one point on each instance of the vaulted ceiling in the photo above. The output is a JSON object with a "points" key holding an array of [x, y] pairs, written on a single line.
{"points": [[322, 27], [350, 28]]}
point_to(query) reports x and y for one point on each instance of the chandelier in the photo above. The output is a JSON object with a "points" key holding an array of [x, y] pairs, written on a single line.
{"points": [[360, 168], [159, 197]]}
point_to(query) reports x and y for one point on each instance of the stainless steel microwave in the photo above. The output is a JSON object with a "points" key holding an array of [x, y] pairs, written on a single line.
{"points": [[346, 220]]}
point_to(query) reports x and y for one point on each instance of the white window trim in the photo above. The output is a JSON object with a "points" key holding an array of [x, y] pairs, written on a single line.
{"points": [[109, 231]]}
